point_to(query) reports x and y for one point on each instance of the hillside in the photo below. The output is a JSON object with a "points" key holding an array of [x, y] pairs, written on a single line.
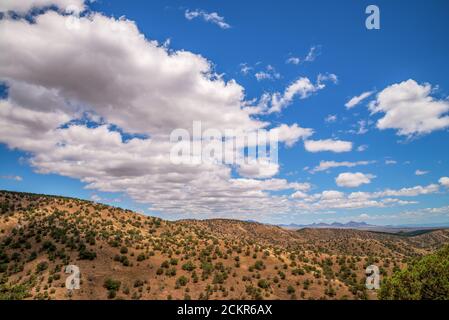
{"points": [[124, 255]]}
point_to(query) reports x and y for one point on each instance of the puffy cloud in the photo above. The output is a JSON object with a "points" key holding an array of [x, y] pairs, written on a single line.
{"points": [[444, 181], [212, 17], [258, 168], [328, 145], [100, 107], [299, 195], [409, 108], [302, 88], [352, 180], [408, 192], [24, 6], [291, 134], [332, 199], [421, 172], [326, 165], [354, 101]]}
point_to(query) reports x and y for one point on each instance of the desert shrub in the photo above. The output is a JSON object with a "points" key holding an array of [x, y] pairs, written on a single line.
{"points": [[141, 257], [259, 265], [42, 266], [182, 281], [111, 284], [188, 266], [264, 284], [424, 279], [123, 250], [138, 283]]}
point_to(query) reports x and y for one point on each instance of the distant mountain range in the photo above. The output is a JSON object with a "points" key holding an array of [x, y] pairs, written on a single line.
{"points": [[363, 226], [334, 225]]}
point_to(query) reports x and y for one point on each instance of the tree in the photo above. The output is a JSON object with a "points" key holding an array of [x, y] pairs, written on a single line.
{"points": [[424, 279]]}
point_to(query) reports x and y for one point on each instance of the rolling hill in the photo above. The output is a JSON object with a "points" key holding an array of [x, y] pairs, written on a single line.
{"points": [[125, 255]]}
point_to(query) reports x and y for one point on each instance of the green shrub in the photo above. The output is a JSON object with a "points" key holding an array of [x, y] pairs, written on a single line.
{"points": [[111, 284], [424, 279]]}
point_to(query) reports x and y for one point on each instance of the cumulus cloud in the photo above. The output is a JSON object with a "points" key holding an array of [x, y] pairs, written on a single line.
{"points": [[24, 6], [302, 88], [354, 101], [100, 107], [409, 108], [333, 199], [444, 181], [408, 192], [352, 180], [291, 134], [211, 17], [336, 146], [326, 165]]}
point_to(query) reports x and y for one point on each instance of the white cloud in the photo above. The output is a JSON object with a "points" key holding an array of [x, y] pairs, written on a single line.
{"points": [[299, 195], [259, 169], [409, 108], [121, 78], [291, 134], [314, 52], [362, 148], [352, 180], [245, 69], [212, 17], [326, 165], [24, 6], [444, 181], [328, 145], [269, 73], [332, 199], [293, 60], [11, 177], [331, 118], [358, 99], [302, 88], [421, 172], [407, 192], [390, 162]]}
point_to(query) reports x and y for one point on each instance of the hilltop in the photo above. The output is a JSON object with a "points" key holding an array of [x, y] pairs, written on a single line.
{"points": [[125, 255]]}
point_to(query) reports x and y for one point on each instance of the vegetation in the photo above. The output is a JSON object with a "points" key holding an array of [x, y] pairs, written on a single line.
{"points": [[424, 279], [124, 255]]}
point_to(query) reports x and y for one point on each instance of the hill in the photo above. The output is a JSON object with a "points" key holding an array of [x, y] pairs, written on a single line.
{"points": [[125, 255]]}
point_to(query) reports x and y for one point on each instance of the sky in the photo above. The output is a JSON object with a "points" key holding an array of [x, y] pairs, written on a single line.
{"points": [[91, 92]]}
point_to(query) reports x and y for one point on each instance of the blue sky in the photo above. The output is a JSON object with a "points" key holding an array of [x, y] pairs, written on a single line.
{"points": [[399, 152]]}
